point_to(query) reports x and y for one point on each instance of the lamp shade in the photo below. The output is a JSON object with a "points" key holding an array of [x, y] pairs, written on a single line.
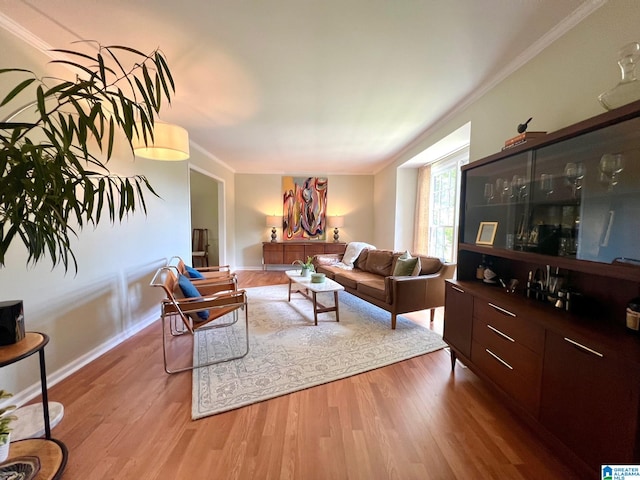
{"points": [[336, 221], [170, 143], [274, 221]]}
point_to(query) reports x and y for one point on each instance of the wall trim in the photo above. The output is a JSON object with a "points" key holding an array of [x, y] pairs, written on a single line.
{"points": [[34, 390]]}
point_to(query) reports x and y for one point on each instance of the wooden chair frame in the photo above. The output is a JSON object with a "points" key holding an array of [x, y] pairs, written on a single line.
{"points": [[214, 272], [200, 245], [220, 298]]}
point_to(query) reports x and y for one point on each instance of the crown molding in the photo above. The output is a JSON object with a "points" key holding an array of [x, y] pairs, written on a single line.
{"points": [[577, 16], [26, 36]]}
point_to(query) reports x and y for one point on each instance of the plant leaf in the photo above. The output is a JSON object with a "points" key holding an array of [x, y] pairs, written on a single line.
{"points": [[16, 90]]}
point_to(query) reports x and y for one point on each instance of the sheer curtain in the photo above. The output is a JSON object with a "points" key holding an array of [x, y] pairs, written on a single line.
{"points": [[421, 230]]}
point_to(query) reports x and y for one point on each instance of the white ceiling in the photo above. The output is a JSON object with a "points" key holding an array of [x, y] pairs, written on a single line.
{"points": [[310, 86]]}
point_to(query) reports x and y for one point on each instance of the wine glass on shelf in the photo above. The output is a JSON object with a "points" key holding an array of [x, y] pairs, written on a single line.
{"points": [[519, 187], [502, 188], [546, 183], [506, 188], [574, 174], [488, 192], [611, 165]]}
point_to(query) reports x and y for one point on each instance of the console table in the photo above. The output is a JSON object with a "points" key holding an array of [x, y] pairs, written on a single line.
{"points": [[285, 253], [51, 452]]}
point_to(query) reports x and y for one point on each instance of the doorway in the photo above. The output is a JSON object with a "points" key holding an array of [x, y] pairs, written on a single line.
{"points": [[207, 211]]}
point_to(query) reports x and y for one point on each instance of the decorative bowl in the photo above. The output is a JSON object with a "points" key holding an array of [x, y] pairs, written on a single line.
{"points": [[317, 277]]}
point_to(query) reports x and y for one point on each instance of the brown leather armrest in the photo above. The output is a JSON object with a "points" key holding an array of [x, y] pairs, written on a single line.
{"points": [[419, 292]]}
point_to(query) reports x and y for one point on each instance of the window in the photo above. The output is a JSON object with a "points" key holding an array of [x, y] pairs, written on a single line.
{"points": [[436, 210], [443, 205]]}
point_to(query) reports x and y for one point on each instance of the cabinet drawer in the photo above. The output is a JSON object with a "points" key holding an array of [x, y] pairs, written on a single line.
{"points": [[458, 319], [335, 247], [590, 401], [293, 253], [524, 361], [272, 253], [525, 333], [524, 389], [311, 250]]}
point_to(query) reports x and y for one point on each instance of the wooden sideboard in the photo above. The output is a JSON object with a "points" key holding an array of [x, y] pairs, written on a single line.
{"points": [[285, 253], [556, 349]]}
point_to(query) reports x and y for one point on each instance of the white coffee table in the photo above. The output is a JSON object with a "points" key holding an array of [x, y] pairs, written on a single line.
{"points": [[307, 286]]}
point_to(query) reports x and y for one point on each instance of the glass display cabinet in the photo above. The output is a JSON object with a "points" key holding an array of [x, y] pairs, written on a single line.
{"points": [[576, 198], [556, 221]]}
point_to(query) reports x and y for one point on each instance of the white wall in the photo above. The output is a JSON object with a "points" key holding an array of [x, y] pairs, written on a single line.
{"points": [[557, 88], [407, 191], [261, 195]]}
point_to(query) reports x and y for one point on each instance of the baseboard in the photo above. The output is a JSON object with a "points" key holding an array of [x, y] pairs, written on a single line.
{"points": [[35, 390]]}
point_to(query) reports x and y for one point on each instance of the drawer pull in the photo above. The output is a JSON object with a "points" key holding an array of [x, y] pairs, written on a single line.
{"points": [[582, 347], [503, 335], [498, 359], [502, 310], [457, 289]]}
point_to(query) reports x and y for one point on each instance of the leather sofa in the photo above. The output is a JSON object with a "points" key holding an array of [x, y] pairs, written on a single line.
{"points": [[372, 279]]}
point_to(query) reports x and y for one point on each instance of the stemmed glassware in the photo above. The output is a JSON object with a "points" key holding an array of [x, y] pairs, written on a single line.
{"points": [[574, 174], [611, 165], [546, 183], [502, 188], [488, 192], [518, 187]]}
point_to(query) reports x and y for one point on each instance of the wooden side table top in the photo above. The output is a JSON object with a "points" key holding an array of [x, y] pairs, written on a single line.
{"points": [[31, 343], [52, 455]]}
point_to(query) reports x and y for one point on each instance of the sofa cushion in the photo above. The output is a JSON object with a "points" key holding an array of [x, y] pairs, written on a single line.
{"points": [[405, 265], [361, 261], [351, 278], [329, 270], [429, 265], [375, 288], [379, 262]]}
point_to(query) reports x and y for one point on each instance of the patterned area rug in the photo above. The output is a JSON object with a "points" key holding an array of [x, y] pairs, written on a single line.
{"points": [[288, 353]]}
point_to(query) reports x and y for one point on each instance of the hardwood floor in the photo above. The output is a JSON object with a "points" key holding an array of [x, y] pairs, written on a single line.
{"points": [[126, 418]]}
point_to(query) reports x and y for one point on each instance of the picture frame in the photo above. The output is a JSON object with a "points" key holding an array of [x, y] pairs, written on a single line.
{"points": [[486, 233]]}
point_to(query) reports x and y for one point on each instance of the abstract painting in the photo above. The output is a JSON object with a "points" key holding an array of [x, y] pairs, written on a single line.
{"points": [[304, 208]]}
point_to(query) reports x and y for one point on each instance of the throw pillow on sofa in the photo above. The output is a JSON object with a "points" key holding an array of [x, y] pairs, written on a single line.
{"points": [[406, 265]]}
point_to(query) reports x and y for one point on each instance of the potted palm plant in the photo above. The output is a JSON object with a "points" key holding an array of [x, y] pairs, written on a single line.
{"points": [[5, 430], [54, 151]]}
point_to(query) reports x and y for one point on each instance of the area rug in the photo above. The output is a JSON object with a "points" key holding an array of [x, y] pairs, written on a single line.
{"points": [[289, 353]]}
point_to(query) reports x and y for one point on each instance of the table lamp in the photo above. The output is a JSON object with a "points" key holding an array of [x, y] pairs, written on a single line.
{"points": [[274, 221], [336, 222]]}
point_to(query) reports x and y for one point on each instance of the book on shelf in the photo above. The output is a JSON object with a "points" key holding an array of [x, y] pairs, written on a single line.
{"points": [[511, 145], [523, 137]]}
